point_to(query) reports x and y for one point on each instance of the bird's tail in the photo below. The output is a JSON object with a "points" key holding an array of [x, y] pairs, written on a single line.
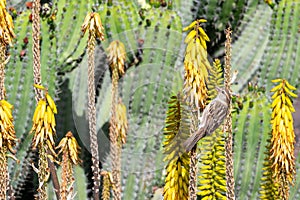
{"points": [[193, 139]]}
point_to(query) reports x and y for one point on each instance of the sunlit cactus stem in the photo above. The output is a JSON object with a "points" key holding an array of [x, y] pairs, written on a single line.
{"points": [[228, 121], [93, 24]]}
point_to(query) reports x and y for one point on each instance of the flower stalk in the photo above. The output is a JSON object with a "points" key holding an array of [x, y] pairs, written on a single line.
{"points": [[118, 120], [92, 23], [228, 121]]}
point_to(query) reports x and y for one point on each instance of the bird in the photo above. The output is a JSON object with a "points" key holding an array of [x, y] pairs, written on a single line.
{"points": [[213, 116]]}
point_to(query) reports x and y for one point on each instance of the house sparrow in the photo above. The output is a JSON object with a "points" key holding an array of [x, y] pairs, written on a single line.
{"points": [[212, 117]]}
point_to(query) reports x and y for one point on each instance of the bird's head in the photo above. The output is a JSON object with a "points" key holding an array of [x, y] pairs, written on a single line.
{"points": [[223, 93]]}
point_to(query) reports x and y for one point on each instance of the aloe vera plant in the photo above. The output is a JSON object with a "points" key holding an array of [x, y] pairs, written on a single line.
{"points": [[265, 46]]}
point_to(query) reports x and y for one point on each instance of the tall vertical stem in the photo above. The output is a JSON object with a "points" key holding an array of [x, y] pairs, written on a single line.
{"points": [[193, 162], [115, 147], [92, 114], [2, 72], [43, 173], [36, 31], [3, 149], [43, 165], [3, 172], [66, 176], [228, 122]]}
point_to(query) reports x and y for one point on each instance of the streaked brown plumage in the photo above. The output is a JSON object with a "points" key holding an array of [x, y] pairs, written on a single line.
{"points": [[212, 117]]}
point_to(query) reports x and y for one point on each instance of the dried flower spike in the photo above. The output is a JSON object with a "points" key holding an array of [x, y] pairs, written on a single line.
{"points": [[117, 56], [92, 22], [69, 145], [122, 124], [70, 150]]}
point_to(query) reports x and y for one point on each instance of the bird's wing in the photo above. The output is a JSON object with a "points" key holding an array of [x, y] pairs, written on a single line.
{"points": [[193, 139], [218, 114]]}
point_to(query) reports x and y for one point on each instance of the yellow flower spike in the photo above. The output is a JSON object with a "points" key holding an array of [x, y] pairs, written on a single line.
{"points": [[43, 122], [6, 28], [283, 137], [6, 104], [177, 169], [7, 137], [196, 64]]}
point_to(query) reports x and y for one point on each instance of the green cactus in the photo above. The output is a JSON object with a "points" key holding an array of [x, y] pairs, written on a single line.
{"points": [[265, 46]]}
